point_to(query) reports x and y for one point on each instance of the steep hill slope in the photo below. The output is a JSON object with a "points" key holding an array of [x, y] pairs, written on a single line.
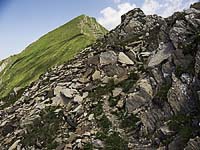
{"points": [[56, 47], [138, 88]]}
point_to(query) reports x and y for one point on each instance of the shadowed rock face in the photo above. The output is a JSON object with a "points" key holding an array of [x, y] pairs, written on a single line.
{"points": [[136, 88]]}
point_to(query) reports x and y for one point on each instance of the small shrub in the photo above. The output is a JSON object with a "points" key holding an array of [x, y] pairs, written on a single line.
{"points": [[180, 70], [88, 146], [115, 142], [104, 123], [102, 90], [182, 125], [128, 84], [98, 110], [129, 122], [112, 101], [161, 95], [101, 135], [44, 129]]}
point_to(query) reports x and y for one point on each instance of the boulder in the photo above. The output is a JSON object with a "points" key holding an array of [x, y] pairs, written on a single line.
{"points": [[93, 60], [108, 57], [96, 75], [116, 92], [124, 59], [180, 97], [65, 91], [164, 52], [112, 70], [135, 101]]}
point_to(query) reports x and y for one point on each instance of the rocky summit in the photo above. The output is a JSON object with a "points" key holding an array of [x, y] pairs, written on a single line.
{"points": [[136, 88]]}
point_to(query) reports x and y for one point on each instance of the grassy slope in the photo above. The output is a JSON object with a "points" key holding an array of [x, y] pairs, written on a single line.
{"points": [[56, 47]]}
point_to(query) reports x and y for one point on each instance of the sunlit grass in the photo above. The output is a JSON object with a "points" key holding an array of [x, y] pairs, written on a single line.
{"points": [[54, 48]]}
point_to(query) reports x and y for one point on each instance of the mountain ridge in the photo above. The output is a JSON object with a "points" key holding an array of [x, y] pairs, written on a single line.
{"points": [[53, 48], [136, 88]]}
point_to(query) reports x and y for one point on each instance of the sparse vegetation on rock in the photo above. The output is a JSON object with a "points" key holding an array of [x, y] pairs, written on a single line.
{"points": [[132, 89]]}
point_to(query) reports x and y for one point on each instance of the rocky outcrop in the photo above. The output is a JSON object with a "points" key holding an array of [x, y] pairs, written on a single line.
{"points": [[136, 88]]}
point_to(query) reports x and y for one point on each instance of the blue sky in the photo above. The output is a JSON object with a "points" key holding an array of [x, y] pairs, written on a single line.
{"points": [[24, 21]]}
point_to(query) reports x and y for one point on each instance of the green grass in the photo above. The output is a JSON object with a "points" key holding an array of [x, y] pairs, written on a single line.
{"points": [[54, 48], [11, 99]]}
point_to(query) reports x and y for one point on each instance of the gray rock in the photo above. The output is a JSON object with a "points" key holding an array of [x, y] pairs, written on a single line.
{"points": [[91, 117], [98, 144], [96, 75], [109, 57], [124, 59], [186, 78], [145, 54], [78, 98], [116, 92], [193, 144], [120, 104], [65, 91], [111, 70], [197, 61], [16, 90], [146, 86], [14, 145], [93, 60], [180, 97], [135, 101], [70, 121], [196, 6], [164, 52], [177, 141], [153, 116]]}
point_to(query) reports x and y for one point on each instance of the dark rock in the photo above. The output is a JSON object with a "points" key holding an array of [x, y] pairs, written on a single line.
{"points": [[197, 62], [93, 60], [196, 5], [64, 98], [111, 70], [164, 52], [193, 144], [177, 141], [70, 122], [180, 97], [8, 128], [138, 87]]}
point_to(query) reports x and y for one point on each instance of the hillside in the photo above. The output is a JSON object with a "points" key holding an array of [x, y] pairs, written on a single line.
{"points": [[54, 48], [137, 88]]}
